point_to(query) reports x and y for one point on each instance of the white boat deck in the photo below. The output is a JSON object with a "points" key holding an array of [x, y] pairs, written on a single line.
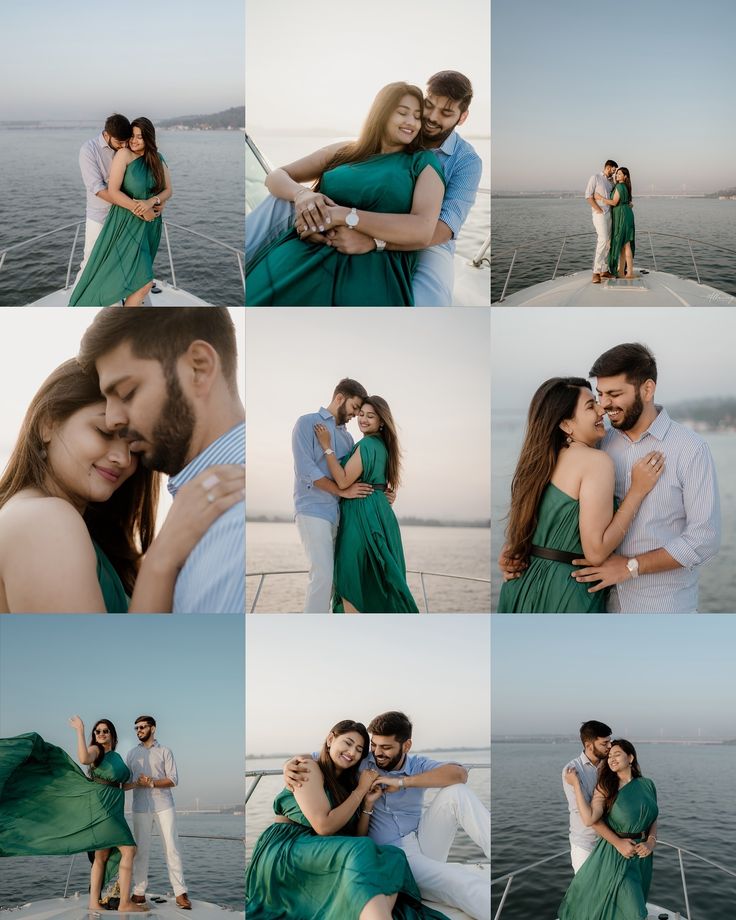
{"points": [[168, 297], [655, 913], [452, 912], [75, 908], [646, 289]]}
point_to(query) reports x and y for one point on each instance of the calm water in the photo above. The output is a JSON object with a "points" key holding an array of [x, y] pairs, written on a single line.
{"points": [[530, 822], [452, 550], [209, 190], [259, 810], [213, 869], [515, 220], [281, 150], [717, 577]]}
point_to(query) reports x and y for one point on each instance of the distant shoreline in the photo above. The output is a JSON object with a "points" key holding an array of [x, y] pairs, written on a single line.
{"points": [[404, 521]]}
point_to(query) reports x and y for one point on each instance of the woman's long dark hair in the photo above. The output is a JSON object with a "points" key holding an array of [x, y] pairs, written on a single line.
{"points": [[93, 740], [124, 525], [553, 403], [150, 153], [627, 182], [370, 141], [340, 786], [388, 434], [608, 780]]}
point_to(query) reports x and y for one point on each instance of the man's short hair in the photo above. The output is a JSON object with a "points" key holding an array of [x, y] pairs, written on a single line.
{"points": [[610, 163], [151, 721], [589, 731], [394, 724], [118, 126], [349, 388], [163, 334], [631, 358], [452, 84]]}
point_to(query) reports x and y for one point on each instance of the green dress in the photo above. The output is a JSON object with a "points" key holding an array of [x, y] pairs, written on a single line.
{"points": [[122, 259], [622, 228], [48, 807], [609, 886], [546, 586], [296, 874], [113, 592], [290, 272], [370, 571]]}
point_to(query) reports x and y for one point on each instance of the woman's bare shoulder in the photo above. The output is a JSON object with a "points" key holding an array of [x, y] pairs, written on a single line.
{"points": [[41, 518]]}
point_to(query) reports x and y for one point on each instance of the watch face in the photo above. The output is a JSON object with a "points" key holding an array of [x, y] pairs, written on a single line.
{"points": [[352, 220]]}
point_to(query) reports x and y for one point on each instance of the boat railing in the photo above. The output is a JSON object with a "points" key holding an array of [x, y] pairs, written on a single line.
{"points": [[513, 251], [261, 576], [509, 877], [77, 225]]}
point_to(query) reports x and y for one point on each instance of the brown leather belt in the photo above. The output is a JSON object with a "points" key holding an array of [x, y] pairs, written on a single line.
{"points": [[556, 555], [106, 782], [641, 835]]}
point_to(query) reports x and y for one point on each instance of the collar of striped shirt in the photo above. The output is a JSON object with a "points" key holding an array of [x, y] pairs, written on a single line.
{"points": [[228, 448], [658, 429]]}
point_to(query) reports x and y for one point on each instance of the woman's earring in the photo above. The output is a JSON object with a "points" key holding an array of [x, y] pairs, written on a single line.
{"points": [[43, 453]]}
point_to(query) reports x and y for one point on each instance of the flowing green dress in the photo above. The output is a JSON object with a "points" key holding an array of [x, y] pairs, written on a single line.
{"points": [[290, 272], [546, 586], [370, 571], [122, 259], [113, 592], [296, 874], [608, 886], [48, 807], [622, 227]]}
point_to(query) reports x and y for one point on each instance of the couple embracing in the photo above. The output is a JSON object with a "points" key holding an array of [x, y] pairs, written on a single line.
{"points": [[612, 206], [350, 841], [378, 225]]}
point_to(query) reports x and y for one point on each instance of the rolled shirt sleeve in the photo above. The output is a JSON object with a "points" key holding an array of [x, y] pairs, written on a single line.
{"points": [[460, 194], [590, 187], [302, 444], [89, 165], [701, 538]]}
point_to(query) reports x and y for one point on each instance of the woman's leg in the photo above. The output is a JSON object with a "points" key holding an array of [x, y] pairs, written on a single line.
{"points": [[378, 908], [97, 873], [137, 297], [348, 607], [628, 260], [126, 873]]}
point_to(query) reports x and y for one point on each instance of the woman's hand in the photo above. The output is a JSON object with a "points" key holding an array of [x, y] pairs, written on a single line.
{"points": [[643, 850], [372, 796], [336, 215], [366, 780], [571, 777], [312, 211], [646, 472], [626, 847], [197, 505], [77, 724], [323, 436]]}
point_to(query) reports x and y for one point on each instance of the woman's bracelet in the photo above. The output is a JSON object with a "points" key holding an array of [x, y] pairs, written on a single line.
{"points": [[367, 812]]}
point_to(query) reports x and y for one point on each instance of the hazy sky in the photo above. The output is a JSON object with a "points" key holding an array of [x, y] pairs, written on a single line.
{"points": [[187, 672], [647, 677], [430, 365], [30, 357], [82, 60], [320, 66], [322, 669], [693, 348], [649, 85]]}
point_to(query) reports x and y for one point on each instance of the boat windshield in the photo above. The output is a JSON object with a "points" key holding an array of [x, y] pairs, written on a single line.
{"points": [[255, 177]]}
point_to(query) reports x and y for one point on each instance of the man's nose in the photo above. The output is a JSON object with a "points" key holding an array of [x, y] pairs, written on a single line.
{"points": [[115, 416]]}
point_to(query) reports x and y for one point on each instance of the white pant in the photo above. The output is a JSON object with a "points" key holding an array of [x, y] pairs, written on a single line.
{"points": [[578, 855], [142, 827], [92, 229], [602, 224], [427, 849], [318, 539]]}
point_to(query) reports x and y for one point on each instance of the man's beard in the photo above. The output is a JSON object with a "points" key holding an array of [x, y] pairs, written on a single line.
{"points": [[631, 415], [437, 139], [391, 764], [341, 418], [172, 435]]}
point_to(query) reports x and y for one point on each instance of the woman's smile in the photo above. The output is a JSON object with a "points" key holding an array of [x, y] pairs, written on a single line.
{"points": [[107, 473]]}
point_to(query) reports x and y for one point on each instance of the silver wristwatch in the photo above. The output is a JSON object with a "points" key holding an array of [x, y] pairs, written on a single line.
{"points": [[329, 450], [380, 244], [352, 219], [633, 566]]}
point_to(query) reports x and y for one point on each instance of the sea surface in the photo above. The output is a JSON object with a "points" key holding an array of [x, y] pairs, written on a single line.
{"points": [[515, 220], [280, 150], [213, 869], [530, 822], [259, 810], [717, 577], [451, 550], [41, 189]]}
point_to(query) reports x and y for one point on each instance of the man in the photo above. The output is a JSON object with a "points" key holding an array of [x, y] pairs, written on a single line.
{"points": [[677, 527], [447, 100], [397, 818], [169, 376], [316, 496], [153, 770], [601, 213]]}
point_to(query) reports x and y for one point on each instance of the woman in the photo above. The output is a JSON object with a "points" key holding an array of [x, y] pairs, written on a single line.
{"points": [[613, 883], [623, 232], [78, 511], [121, 264], [370, 572], [315, 860], [397, 190], [562, 501], [50, 808]]}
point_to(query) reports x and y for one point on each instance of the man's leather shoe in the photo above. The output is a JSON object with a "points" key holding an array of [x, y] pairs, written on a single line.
{"points": [[182, 900], [607, 275], [138, 898], [596, 278]]}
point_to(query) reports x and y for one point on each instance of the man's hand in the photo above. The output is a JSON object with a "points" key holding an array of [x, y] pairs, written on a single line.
{"points": [[311, 211], [390, 496], [295, 775], [357, 490], [149, 214], [611, 572], [626, 848], [510, 568], [350, 242], [143, 780], [309, 237]]}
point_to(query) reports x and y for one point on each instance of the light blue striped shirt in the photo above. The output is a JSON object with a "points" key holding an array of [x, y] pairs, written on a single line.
{"points": [[310, 464], [681, 514], [95, 160], [580, 835], [463, 168], [213, 577]]}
